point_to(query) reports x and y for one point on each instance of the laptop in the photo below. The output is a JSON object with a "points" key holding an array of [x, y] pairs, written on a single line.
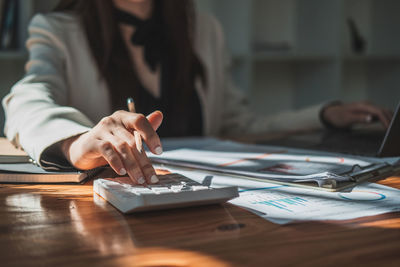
{"points": [[373, 142]]}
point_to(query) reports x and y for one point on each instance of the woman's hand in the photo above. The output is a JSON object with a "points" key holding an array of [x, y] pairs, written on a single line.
{"points": [[345, 115], [112, 142]]}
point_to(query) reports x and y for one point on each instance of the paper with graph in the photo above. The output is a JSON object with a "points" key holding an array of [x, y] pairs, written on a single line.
{"points": [[282, 204], [272, 163], [290, 203]]}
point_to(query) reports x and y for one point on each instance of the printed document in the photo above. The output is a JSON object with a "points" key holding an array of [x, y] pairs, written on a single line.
{"points": [[283, 204]]}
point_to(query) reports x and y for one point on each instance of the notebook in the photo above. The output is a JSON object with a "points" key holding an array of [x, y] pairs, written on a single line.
{"points": [[17, 167], [30, 173], [11, 154]]}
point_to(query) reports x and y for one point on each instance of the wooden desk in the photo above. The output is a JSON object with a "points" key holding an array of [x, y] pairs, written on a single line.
{"points": [[67, 225]]}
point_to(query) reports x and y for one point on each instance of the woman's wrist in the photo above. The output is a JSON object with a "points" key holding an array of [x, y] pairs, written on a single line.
{"points": [[325, 120], [66, 147], [72, 149]]}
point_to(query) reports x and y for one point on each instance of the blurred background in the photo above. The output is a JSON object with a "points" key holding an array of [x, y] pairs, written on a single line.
{"points": [[286, 54]]}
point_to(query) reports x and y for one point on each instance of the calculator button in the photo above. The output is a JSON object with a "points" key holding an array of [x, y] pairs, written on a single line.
{"points": [[150, 192], [117, 186], [143, 190], [161, 190], [186, 188], [156, 187], [199, 187], [176, 188]]}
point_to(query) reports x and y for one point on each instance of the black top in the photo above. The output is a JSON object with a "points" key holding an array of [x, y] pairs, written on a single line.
{"points": [[178, 120], [185, 122]]}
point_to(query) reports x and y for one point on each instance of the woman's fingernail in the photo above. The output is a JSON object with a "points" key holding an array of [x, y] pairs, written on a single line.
{"points": [[158, 150], [368, 118], [122, 171], [154, 179], [141, 180]]}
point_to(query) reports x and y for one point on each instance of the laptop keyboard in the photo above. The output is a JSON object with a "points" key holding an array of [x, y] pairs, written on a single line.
{"points": [[354, 143]]}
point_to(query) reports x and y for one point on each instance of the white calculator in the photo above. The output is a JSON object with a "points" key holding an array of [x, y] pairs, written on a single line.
{"points": [[173, 191]]}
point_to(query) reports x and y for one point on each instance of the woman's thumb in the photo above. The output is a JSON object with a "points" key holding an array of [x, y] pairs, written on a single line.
{"points": [[155, 119]]}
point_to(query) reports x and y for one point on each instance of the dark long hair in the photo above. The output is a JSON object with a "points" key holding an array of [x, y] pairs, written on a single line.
{"points": [[112, 57]]}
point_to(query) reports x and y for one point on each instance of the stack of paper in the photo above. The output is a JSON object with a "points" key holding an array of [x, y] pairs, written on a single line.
{"points": [[327, 171]]}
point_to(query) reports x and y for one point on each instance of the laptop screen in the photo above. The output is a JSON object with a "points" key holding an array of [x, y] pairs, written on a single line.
{"points": [[391, 143]]}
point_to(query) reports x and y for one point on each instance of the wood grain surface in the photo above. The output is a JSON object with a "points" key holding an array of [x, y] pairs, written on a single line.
{"points": [[68, 225]]}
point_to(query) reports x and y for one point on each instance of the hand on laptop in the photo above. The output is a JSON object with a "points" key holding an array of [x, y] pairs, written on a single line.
{"points": [[342, 115]]}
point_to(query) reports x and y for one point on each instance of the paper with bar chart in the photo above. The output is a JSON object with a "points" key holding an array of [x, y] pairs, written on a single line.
{"points": [[298, 204], [280, 203]]}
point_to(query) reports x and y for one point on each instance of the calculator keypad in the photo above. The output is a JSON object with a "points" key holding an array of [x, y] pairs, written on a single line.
{"points": [[169, 183]]}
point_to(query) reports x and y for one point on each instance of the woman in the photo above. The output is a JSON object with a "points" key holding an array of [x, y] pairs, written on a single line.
{"points": [[89, 56]]}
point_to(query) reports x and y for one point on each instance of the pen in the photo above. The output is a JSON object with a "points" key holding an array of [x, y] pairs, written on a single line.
{"points": [[138, 139]]}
